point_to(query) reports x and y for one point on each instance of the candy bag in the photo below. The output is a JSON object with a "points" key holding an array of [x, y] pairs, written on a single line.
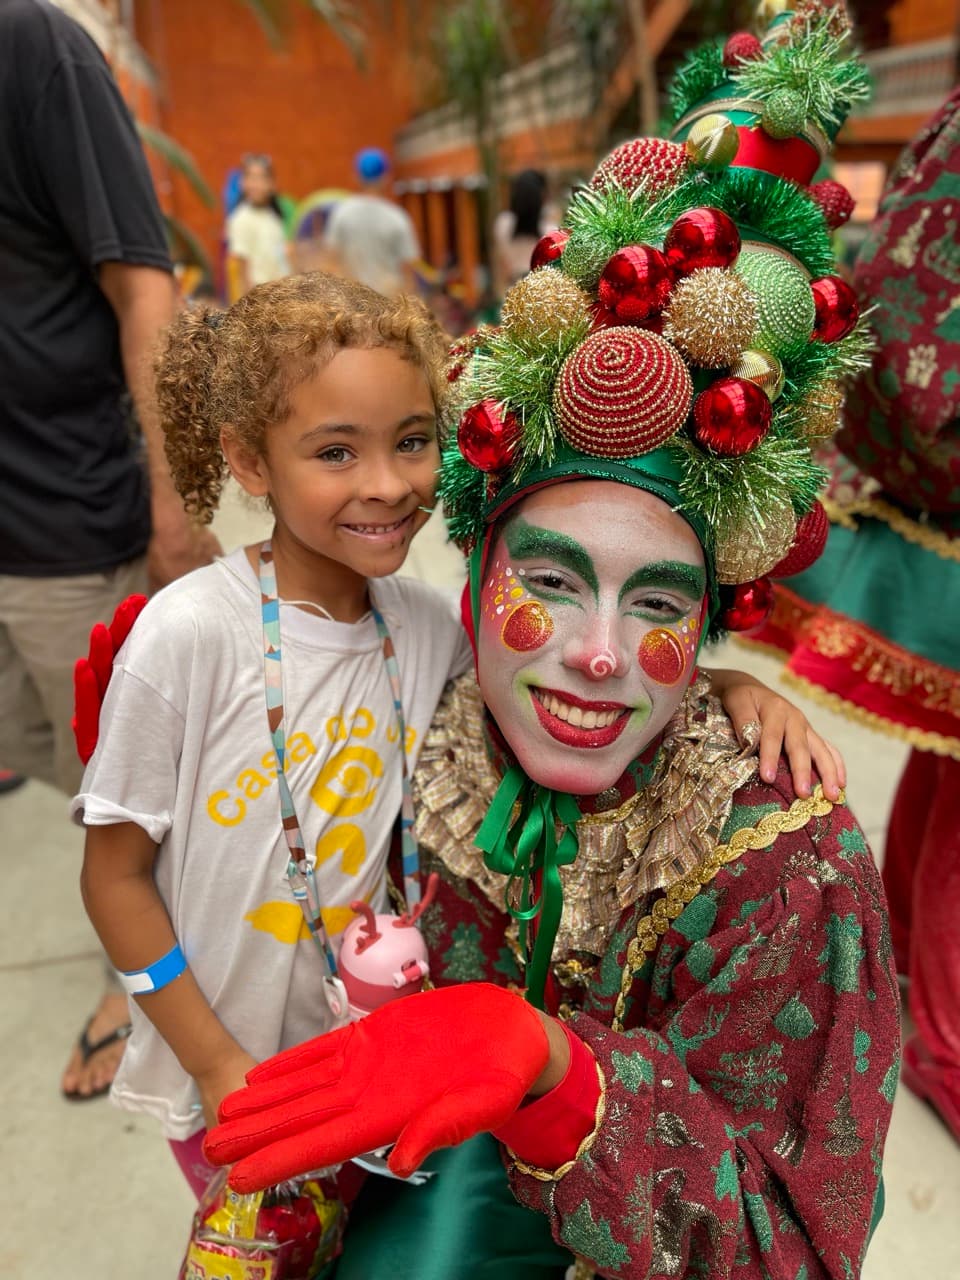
{"points": [[288, 1232]]}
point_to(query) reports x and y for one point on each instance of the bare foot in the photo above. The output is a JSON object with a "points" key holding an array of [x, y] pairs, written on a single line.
{"points": [[86, 1079]]}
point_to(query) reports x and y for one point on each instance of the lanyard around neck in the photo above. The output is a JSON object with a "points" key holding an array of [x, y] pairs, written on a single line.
{"points": [[300, 867]]}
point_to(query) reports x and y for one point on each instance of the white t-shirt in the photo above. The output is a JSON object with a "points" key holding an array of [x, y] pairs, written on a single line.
{"points": [[185, 753], [256, 234], [372, 239]]}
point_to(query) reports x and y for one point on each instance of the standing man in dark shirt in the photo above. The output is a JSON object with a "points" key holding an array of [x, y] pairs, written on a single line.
{"points": [[88, 513]]}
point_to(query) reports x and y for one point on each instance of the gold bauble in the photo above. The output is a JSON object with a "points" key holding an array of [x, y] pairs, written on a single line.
{"points": [[762, 368], [747, 549], [712, 142], [711, 317], [817, 416], [543, 305]]}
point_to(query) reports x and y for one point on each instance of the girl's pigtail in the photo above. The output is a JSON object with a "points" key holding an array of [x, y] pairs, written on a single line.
{"points": [[185, 398]]}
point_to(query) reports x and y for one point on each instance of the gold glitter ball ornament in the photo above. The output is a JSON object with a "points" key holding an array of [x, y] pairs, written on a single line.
{"points": [[745, 549], [817, 416], [711, 317], [762, 368], [543, 305], [712, 142]]}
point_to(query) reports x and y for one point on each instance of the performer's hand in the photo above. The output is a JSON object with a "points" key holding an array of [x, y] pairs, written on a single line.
{"points": [[91, 674], [783, 728], [423, 1072]]}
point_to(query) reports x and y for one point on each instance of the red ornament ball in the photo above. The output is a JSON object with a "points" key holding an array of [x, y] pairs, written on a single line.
{"points": [[652, 162], [742, 46], [808, 544], [548, 249], [837, 309], [635, 283], [835, 201], [747, 605], [699, 238], [731, 417], [623, 392], [488, 435]]}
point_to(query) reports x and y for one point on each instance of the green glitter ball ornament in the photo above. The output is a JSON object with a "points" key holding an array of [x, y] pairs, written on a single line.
{"points": [[785, 305], [784, 114], [583, 259]]}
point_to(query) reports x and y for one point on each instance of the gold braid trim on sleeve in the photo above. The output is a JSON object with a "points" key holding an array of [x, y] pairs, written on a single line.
{"points": [[554, 1175], [666, 909]]}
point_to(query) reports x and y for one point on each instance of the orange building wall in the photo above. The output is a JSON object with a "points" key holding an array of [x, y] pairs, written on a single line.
{"points": [[224, 91]]}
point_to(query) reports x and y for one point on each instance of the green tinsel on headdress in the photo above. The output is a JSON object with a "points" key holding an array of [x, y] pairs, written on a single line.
{"points": [[714, 489], [759, 202], [462, 492], [701, 72], [601, 222], [814, 65], [522, 376], [808, 364]]}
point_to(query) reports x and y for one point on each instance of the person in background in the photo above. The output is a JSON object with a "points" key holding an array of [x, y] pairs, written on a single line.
{"points": [[256, 238], [517, 229], [88, 513], [370, 238]]}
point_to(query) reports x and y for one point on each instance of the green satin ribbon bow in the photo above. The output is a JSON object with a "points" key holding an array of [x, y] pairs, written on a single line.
{"points": [[521, 847]]}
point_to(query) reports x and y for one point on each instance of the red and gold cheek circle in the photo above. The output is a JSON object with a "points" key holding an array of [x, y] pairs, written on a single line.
{"points": [[666, 655], [528, 627], [521, 623]]}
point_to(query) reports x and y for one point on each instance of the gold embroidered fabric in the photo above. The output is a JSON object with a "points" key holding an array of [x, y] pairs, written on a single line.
{"points": [[648, 843]]}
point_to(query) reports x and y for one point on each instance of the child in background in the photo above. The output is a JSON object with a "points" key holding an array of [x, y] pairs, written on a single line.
{"points": [[323, 397], [256, 239]]}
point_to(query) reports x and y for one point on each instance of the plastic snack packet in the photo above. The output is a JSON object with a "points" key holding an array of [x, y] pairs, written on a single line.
{"points": [[288, 1232]]}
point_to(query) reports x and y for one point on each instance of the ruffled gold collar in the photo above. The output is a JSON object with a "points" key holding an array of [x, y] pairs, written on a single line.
{"points": [[625, 853]]}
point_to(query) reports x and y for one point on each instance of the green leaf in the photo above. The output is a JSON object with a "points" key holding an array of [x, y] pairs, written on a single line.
{"points": [[178, 158]]}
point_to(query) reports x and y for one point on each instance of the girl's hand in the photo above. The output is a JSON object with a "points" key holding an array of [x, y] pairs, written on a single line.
{"points": [[228, 1075], [782, 727]]}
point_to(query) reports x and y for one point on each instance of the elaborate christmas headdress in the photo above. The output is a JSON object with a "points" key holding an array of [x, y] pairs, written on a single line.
{"points": [[684, 332]]}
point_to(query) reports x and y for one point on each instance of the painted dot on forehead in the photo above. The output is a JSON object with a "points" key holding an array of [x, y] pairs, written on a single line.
{"points": [[528, 627], [661, 655]]}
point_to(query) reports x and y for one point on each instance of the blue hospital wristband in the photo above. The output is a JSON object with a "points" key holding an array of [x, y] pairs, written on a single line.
{"points": [[141, 982]]}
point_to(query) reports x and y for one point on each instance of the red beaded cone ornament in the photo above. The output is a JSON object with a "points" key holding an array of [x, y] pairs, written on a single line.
{"points": [[653, 162]]}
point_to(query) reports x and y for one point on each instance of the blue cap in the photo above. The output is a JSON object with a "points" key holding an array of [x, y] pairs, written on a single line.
{"points": [[371, 163]]}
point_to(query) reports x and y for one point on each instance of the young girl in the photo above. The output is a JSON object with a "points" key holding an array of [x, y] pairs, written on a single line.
{"points": [[256, 239], [321, 396]]}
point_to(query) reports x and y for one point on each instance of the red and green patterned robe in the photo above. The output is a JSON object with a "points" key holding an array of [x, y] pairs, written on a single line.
{"points": [[748, 1097]]}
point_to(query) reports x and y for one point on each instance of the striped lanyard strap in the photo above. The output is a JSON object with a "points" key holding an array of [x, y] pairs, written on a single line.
{"points": [[300, 866]]}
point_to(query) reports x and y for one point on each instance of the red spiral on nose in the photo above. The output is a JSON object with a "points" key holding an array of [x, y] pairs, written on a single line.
{"points": [[622, 393]]}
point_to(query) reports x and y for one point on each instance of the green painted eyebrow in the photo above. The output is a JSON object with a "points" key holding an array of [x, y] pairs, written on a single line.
{"points": [[671, 575], [526, 542]]}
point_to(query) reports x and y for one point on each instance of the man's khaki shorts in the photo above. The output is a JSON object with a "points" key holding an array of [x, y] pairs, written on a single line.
{"points": [[44, 627]]}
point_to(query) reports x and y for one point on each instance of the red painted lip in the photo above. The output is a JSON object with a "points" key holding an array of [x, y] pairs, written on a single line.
{"points": [[572, 736]]}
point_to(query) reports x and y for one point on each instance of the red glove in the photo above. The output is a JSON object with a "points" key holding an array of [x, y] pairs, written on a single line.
{"points": [[426, 1072], [91, 674]]}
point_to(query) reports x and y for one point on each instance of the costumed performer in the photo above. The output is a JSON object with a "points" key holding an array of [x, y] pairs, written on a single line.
{"points": [[700, 1078], [894, 506]]}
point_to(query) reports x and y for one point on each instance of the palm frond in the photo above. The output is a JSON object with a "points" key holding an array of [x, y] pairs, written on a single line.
{"points": [[178, 158]]}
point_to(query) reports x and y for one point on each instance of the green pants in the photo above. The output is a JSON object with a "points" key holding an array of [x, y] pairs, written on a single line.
{"points": [[464, 1224]]}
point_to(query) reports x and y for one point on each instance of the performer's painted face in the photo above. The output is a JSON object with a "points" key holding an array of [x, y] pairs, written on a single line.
{"points": [[590, 615]]}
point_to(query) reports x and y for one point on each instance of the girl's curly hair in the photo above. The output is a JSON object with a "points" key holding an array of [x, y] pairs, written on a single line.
{"points": [[237, 368]]}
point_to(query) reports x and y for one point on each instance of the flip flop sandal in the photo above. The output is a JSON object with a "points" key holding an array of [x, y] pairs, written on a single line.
{"points": [[88, 1048]]}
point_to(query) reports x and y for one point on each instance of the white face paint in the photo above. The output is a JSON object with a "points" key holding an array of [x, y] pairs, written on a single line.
{"points": [[590, 615]]}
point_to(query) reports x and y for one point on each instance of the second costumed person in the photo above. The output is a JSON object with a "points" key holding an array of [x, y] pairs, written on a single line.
{"points": [[666, 1016]]}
